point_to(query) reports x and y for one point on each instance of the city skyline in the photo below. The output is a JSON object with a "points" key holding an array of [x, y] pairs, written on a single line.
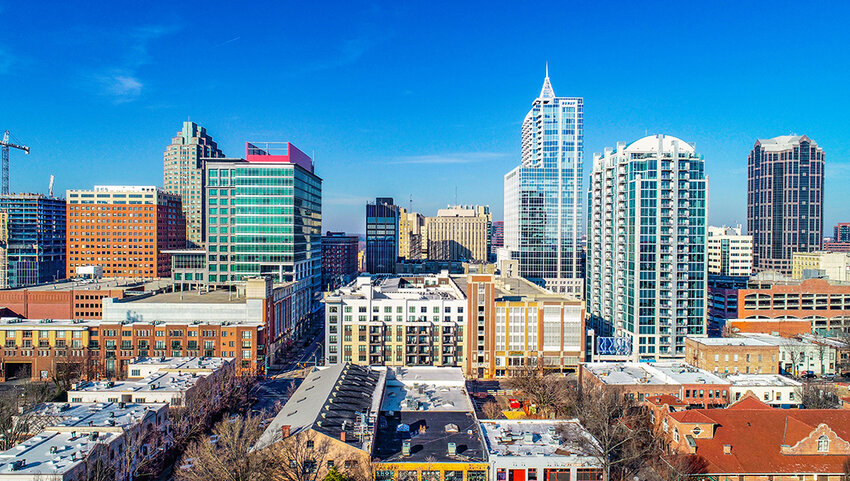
{"points": [[454, 128]]}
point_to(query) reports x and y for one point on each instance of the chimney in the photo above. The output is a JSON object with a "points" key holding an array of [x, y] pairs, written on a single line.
{"points": [[727, 449], [284, 430], [342, 436]]}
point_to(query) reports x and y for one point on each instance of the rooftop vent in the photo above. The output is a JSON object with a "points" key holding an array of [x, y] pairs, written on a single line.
{"points": [[405, 447], [451, 428], [452, 449]]}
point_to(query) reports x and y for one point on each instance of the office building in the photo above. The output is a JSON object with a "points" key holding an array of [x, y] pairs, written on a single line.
{"points": [[32, 249], [729, 252], [732, 355], [543, 195], [339, 259], [834, 266], [125, 230], [264, 217], [646, 263], [784, 200], [841, 232], [411, 235], [459, 233], [66, 299], [722, 301], [382, 236], [497, 237], [183, 175], [749, 439]]}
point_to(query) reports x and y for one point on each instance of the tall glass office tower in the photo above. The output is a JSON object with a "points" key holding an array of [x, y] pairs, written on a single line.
{"points": [[543, 195], [646, 267]]}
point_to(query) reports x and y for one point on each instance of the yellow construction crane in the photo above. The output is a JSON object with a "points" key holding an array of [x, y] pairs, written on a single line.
{"points": [[6, 144]]}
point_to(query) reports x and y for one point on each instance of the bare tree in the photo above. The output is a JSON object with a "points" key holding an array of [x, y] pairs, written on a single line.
{"points": [[680, 467], [492, 410], [625, 435], [552, 393], [17, 420], [795, 353], [814, 395], [225, 454], [300, 457]]}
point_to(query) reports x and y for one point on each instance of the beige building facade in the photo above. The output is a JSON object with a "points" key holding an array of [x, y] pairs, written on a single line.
{"points": [[729, 253], [835, 266], [458, 233]]}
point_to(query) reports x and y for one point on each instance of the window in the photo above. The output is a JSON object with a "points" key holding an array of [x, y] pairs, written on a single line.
{"points": [[310, 444], [823, 444]]}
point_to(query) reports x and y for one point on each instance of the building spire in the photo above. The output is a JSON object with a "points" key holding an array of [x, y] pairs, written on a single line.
{"points": [[547, 92]]}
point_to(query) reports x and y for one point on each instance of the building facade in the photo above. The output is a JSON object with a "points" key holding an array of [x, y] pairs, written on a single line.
{"points": [[411, 235], [32, 249], [124, 230], [834, 266], [264, 217], [382, 236], [497, 237], [732, 355], [646, 245], [339, 259], [784, 200], [729, 252], [543, 195], [459, 233], [183, 175]]}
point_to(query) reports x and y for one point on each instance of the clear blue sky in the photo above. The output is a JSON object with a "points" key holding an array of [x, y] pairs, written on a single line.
{"points": [[417, 98]]}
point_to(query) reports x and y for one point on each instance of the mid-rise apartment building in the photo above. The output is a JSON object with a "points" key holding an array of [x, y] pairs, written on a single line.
{"points": [[729, 253], [785, 177], [646, 264], [125, 230], [264, 217], [834, 266], [459, 233], [339, 259], [183, 175], [32, 249], [544, 195], [412, 244], [486, 324]]}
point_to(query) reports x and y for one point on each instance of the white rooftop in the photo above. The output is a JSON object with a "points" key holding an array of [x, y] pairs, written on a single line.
{"points": [[649, 144], [760, 380], [537, 438], [730, 341], [650, 373], [180, 363], [421, 287], [772, 340], [426, 389], [51, 453], [157, 382], [88, 416]]}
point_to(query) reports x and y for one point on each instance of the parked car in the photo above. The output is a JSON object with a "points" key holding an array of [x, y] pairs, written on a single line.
{"points": [[828, 377], [808, 375]]}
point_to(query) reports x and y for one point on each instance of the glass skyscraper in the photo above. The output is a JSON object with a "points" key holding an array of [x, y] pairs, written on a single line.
{"points": [[381, 236], [646, 265], [34, 250], [264, 217], [543, 195]]}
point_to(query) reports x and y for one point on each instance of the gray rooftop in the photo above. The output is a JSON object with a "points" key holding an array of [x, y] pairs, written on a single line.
{"points": [[537, 438], [51, 453], [90, 416], [330, 401], [761, 380], [730, 341], [426, 389], [650, 373]]}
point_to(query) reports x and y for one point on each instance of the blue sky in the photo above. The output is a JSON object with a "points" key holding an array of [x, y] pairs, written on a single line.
{"points": [[417, 98]]}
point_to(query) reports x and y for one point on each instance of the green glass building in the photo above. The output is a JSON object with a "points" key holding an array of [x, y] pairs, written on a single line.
{"points": [[263, 217]]}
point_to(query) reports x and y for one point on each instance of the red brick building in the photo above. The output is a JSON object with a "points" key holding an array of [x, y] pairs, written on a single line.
{"points": [[821, 305], [749, 440]]}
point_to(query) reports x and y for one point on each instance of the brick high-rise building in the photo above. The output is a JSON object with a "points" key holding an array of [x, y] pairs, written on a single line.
{"points": [[784, 200], [124, 230], [184, 176], [339, 259]]}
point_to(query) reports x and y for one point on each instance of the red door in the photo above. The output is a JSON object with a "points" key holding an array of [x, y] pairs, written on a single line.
{"points": [[517, 475]]}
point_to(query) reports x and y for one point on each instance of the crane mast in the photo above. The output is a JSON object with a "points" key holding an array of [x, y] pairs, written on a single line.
{"points": [[6, 145]]}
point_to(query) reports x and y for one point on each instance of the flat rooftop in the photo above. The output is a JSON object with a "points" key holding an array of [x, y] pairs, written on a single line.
{"points": [[182, 363], [650, 373], [772, 340], [421, 287], [52, 453], [730, 341], [426, 389], [192, 297], [429, 433], [87, 416], [537, 438], [157, 382], [102, 284], [47, 324], [761, 380]]}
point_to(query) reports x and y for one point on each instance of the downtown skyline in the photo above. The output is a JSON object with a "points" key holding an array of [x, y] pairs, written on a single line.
{"points": [[109, 122]]}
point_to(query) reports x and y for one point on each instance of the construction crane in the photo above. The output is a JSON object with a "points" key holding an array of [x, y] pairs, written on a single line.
{"points": [[6, 144]]}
